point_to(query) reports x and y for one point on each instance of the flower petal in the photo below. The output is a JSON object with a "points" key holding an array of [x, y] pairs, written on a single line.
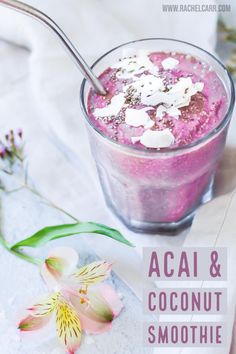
{"points": [[91, 322], [48, 277], [45, 307], [93, 273], [90, 326], [68, 326], [68, 256], [60, 262], [32, 323], [97, 313], [111, 298]]}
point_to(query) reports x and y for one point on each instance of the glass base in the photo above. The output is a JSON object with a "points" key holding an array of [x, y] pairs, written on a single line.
{"points": [[164, 228]]}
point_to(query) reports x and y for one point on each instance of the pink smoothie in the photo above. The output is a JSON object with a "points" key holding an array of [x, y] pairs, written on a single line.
{"points": [[202, 115], [162, 101]]}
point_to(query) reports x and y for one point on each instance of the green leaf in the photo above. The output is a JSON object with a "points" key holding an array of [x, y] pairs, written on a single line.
{"points": [[50, 233]]}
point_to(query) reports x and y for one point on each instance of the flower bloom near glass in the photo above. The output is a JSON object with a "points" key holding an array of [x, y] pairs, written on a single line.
{"points": [[158, 134], [77, 300]]}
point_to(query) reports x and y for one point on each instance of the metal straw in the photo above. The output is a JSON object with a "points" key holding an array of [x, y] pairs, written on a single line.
{"points": [[49, 23]]}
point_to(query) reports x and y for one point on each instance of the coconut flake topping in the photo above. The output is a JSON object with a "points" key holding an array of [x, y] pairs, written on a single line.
{"points": [[155, 138], [138, 117], [117, 102], [169, 63], [146, 86], [133, 65], [171, 111], [178, 95], [150, 90]]}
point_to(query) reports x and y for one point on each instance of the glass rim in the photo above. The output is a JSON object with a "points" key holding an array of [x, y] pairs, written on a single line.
{"points": [[167, 150]]}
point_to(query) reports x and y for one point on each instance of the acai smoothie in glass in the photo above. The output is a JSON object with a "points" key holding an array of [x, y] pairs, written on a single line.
{"points": [[159, 132]]}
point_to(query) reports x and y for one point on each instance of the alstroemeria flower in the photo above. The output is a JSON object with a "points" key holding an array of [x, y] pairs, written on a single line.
{"points": [[78, 300]]}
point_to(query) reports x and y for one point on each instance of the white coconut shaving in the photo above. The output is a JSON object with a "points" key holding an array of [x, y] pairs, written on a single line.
{"points": [[138, 118], [169, 63], [171, 111], [178, 95], [117, 102], [134, 65], [155, 138]]}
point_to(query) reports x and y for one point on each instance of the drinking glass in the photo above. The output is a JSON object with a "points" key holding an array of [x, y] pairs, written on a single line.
{"points": [[155, 191]]}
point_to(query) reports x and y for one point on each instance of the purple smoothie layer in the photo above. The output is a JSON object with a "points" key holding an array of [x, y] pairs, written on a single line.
{"points": [[184, 101], [204, 112]]}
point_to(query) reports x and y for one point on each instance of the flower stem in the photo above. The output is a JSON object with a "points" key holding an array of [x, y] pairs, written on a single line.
{"points": [[19, 254], [49, 202]]}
